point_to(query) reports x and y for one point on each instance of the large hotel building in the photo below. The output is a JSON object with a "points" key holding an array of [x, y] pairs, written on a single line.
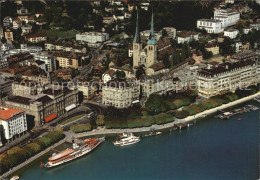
{"points": [[120, 94], [228, 77]]}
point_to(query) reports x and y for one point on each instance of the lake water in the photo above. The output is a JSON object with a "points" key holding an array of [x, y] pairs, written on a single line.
{"points": [[213, 149]]}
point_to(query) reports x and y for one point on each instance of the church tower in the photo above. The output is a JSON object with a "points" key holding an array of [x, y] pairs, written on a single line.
{"points": [[151, 46], [137, 45]]}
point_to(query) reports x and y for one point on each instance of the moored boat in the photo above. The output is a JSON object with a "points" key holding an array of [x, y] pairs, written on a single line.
{"points": [[131, 139], [15, 177], [153, 133], [124, 135], [77, 151]]}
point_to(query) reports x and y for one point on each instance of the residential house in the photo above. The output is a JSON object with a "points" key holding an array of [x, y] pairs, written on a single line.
{"points": [[35, 38], [231, 33], [210, 25], [187, 37]]}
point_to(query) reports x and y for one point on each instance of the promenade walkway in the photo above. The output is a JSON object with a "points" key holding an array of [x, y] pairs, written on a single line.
{"points": [[102, 131], [168, 125], [32, 159]]}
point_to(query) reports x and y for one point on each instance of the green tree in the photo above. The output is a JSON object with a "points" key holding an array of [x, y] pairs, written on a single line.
{"points": [[156, 104], [100, 120], [120, 75], [226, 47], [164, 33], [207, 54], [166, 60]]}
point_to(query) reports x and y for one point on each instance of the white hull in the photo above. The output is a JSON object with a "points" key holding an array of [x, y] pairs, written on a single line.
{"points": [[127, 141], [73, 156]]}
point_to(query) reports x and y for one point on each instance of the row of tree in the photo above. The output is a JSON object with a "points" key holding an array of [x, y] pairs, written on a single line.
{"points": [[214, 102], [78, 128], [17, 155]]}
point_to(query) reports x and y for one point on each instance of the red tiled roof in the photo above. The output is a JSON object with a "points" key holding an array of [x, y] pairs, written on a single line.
{"points": [[35, 35], [7, 113], [50, 117]]}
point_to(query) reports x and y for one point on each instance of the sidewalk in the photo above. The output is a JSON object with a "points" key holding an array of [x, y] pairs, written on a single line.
{"points": [[32, 159], [168, 125]]}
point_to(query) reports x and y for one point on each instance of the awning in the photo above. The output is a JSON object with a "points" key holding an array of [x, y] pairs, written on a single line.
{"points": [[70, 107], [50, 117]]}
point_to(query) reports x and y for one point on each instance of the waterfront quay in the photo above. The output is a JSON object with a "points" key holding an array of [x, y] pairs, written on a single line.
{"points": [[11, 171], [102, 131], [188, 119]]}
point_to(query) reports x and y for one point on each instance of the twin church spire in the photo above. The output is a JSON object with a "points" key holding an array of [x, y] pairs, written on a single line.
{"points": [[137, 39]]}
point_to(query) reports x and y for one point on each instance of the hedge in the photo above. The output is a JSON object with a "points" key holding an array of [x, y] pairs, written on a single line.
{"points": [[181, 114], [143, 121], [78, 128], [17, 155]]}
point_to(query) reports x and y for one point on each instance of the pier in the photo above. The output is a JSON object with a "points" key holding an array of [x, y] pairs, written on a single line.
{"points": [[10, 172]]}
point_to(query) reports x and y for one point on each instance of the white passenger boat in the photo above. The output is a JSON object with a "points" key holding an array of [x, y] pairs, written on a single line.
{"points": [[131, 139], [77, 151]]}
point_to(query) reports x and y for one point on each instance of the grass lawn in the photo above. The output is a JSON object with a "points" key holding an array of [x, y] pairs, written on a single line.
{"points": [[72, 119], [52, 33]]}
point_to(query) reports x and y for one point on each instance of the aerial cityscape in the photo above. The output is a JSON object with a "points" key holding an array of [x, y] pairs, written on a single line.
{"points": [[126, 89]]}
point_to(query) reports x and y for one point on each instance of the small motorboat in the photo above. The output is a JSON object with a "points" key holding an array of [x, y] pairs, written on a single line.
{"points": [[239, 119]]}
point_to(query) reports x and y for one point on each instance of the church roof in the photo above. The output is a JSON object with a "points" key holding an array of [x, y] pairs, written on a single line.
{"points": [[152, 39], [137, 38]]}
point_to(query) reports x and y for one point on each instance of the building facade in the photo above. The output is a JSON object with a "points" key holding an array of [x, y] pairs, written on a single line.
{"points": [[35, 38], [13, 121], [227, 77], [210, 25], [231, 33], [48, 59], [146, 56], [46, 106], [92, 38], [160, 84], [187, 37], [120, 94], [171, 31], [228, 17], [55, 46], [9, 35]]}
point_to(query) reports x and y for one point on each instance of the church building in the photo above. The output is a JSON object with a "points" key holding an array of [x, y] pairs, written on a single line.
{"points": [[146, 56]]}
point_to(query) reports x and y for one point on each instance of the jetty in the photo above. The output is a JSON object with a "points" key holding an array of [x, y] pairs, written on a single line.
{"points": [[228, 114]]}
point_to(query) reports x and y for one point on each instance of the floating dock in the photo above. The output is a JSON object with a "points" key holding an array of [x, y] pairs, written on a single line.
{"points": [[228, 114]]}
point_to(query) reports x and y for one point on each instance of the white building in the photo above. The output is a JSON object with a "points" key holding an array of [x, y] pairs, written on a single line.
{"points": [[34, 38], [17, 24], [120, 94], [26, 29], [7, 21], [231, 33], [22, 11], [48, 59], [88, 88], [187, 37], [92, 38], [210, 25], [229, 1], [227, 77], [108, 75], [13, 122], [30, 49], [246, 30], [171, 31], [146, 34], [228, 17], [160, 83]]}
